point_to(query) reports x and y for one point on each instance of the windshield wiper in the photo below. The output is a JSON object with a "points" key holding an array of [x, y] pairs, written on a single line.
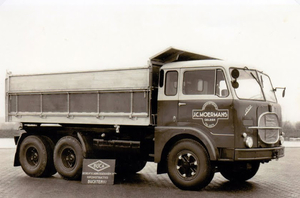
{"points": [[254, 77]]}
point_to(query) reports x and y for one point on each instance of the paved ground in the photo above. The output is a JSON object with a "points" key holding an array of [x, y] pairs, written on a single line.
{"points": [[276, 179]]}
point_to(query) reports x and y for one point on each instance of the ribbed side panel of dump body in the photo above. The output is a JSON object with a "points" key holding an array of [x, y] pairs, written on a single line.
{"points": [[109, 97]]}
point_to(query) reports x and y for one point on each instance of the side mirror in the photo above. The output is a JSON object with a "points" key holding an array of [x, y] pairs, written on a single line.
{"points": [[283, 92]]}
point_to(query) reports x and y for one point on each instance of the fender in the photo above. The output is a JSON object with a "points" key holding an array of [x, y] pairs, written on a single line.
{"points": [[163, 134], [84, 144], [18, 140]]}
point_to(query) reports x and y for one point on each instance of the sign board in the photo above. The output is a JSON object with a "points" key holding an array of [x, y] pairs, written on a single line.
{"points": [[98, 171]]}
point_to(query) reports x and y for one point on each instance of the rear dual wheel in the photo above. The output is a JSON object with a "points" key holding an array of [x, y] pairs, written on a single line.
{"points": [[39, 158], [68, 158], [36, 156]]}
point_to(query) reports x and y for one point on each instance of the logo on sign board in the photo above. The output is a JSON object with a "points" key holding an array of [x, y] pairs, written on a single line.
{"points": [[98, 166], [210, 114]]}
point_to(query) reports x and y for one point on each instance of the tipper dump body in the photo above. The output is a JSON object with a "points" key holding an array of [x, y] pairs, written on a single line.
{"points": [[94, 97]]}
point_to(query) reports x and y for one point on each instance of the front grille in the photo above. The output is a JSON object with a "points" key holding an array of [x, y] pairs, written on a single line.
{"points": [[269, 136], [268, 128]]}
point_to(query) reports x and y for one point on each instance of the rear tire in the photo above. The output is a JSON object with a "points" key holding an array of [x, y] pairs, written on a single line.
{"points": [[189, 166], [36, 156], [51, 168], [68, 158]]}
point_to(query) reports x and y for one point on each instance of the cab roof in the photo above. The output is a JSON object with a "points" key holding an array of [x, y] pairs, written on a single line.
{"points": [[202, 63]]}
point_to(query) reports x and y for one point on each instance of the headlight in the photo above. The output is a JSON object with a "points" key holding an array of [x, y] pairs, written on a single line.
{"points": [[249, 142]]}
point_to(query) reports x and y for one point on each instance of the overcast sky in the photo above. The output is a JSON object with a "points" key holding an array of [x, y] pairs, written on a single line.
{"points": [[42, 36]]}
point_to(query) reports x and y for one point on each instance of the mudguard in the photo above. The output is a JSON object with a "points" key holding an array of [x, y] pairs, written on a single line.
{"points": [[165, 134], [18, 140]]}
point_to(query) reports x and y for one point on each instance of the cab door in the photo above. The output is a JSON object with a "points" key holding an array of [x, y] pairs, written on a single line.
{"points": [[205, 102]]}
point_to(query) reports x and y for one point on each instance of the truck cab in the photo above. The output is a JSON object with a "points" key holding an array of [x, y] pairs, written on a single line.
{"points": [[230, 109]]}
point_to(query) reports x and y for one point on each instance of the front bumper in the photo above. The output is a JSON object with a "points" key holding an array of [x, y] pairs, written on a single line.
{"points": [[259, 154]]}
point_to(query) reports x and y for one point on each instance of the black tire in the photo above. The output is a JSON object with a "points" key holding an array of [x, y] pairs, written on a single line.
{"points": [[129, 166], [189, 167], [239, 171], [36, 156], [68, 158], [51, 168]]}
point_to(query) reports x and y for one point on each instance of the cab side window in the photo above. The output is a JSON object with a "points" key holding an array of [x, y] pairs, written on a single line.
{"points": [[199, 82], [221, 86], [205, 82], [171, 84]]}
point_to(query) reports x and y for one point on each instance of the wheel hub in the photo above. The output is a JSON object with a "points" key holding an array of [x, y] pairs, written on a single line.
{"points": [[68, 158], [32, 156], [187, 165]]}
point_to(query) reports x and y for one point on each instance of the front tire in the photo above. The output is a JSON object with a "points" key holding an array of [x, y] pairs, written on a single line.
{"points": [[189, 166], [239, 171], [36, 156], [68, 158]]}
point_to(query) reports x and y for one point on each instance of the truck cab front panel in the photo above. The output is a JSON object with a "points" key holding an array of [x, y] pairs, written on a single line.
{"points": [[239, 113]]}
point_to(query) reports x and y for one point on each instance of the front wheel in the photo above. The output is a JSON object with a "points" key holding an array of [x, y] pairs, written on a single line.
{"points": [[189, 166], [239, 171], [68, 158]]}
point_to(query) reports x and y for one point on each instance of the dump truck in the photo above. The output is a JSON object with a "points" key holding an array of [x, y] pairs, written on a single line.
{"points": [[193, 115]]}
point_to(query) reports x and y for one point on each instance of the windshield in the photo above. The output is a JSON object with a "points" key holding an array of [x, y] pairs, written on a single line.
{"points": [[249, 87], [254, 85], [267, 87]]}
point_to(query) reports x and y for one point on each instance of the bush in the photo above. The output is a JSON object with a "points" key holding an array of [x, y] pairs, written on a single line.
{"points": [[8, 129], [291, 130]]}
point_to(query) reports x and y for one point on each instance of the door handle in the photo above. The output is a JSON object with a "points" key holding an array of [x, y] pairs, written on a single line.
{"points": [[181, 104]]}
